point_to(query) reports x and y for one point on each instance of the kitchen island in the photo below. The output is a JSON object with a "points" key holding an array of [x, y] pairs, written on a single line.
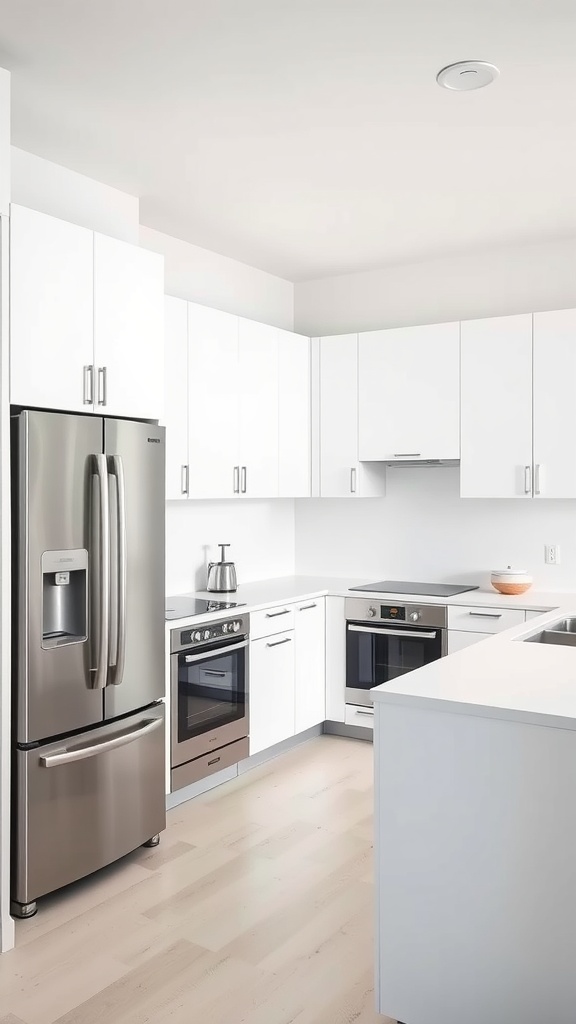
{"points": [[475, 772]]}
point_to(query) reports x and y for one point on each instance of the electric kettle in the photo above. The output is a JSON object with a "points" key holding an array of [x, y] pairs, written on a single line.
{"points": [[221, 575]]}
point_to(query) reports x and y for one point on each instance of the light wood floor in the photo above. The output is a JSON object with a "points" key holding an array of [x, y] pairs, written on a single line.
{"points": [[256, 908]]}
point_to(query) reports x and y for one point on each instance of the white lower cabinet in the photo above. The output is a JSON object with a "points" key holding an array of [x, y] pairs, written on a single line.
{"points": [[458, 639], [310, 664], [271, 690], [335, 659], [287, 683]]}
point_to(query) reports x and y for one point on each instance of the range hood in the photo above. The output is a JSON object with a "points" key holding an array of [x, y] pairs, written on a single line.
{"points": [[416, 460]]}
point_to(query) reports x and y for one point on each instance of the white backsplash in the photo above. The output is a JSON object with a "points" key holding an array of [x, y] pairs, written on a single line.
{"points": [[422, 530], [260, 534]]}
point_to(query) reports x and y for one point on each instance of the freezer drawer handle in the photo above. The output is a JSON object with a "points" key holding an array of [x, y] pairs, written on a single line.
{"points": [[67, 756], [116, 672]]}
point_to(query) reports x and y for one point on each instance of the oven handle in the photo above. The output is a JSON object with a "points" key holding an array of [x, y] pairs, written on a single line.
{"points": [[214, 652], [392, 632]]}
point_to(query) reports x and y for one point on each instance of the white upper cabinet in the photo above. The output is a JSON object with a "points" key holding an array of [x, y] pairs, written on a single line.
{"points": [[496, 407], [176, 397], [213, 403], [554, 404], [409, 393], [87, 312], [258, 393], [128, 329], [341, 475], [294, 445], [51, 312]]}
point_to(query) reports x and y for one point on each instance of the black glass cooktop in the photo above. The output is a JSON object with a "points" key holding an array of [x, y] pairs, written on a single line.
{"points": [[183, 607], [424, 589]]}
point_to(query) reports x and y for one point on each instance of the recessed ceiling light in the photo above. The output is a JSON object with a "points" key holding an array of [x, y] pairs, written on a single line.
{"points": [[467, 74]]}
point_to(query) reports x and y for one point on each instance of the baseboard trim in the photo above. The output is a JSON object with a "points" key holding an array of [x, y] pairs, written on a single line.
{"points": [[352, 732]]}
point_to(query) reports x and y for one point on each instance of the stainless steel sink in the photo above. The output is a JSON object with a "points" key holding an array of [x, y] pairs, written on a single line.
{"points": [[562, 633], [564, 626]]}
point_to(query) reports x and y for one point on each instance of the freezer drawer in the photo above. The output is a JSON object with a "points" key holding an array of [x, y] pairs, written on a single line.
{"points": [[84, 802]]}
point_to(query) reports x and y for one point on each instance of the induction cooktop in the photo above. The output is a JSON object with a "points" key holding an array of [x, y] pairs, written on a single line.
{"points": [[183, 607], [424, 589]]}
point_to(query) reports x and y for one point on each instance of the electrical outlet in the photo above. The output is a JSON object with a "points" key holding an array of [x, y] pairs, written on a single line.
{"points": [[552, 556]]}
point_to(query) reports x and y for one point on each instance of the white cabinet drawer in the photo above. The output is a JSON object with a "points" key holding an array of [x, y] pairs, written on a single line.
{"points": [[270, 621], [484, 620], [356, 715]]}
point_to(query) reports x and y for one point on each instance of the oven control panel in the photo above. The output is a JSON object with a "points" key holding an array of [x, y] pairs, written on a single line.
{"points": [[360, 609], [208, 632]]}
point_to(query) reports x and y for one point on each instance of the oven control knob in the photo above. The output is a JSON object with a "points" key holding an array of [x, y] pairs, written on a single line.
{"points": [[371, 613], [206, 634], [414, 616], [235, 626], [197, 635], [225, 627]]}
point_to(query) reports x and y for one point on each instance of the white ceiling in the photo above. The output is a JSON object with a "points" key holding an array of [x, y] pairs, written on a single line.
{"points": [[307, 137]]}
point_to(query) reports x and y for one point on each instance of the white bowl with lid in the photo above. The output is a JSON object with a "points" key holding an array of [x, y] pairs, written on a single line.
{"points": [[511, 581]]}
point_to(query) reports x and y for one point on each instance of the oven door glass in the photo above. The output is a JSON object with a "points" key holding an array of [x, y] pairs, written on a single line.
{"points": [[378, 654], [211, 689]]}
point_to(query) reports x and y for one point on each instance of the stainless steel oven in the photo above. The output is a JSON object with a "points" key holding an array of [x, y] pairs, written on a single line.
{"points": [[384, 641], [209, 693]]}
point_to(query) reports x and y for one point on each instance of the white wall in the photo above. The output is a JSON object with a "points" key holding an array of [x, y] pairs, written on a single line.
{"points": [[422, 531], [260, 534], [509, 279], [49, 188], [6, 922], [213, 280], [4, 142]]}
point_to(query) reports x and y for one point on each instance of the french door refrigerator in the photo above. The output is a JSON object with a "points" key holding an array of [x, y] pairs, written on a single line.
{"points": [[88, 519]]}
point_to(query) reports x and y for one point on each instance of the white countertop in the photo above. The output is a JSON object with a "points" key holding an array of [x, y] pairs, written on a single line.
{"points": [[497, 678], [500, 677], [284, 589]]}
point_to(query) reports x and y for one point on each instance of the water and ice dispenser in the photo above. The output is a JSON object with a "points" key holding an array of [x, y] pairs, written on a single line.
{"points": [[64, 597]]}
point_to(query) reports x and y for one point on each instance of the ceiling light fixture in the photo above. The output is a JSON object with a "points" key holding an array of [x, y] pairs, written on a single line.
{"points": [[467, 74]]}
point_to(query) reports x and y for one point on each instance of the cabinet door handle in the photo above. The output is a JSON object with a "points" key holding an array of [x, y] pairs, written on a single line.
{"points": [[537, 478], [365, 711], [276, 643], [243, 480], [486, 615], [305, 607], [236, 484], [88, 385], [405, 455], [184, 479], [274, 615], [353, 481], [527, 479], [102, 385]]}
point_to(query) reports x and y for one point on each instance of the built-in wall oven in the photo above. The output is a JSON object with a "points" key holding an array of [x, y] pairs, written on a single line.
{"points": [[384, 641], [209, 694]]}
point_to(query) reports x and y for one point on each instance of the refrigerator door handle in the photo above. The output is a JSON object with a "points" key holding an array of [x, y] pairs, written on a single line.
{"points": [[65, 756], [103, 574], [117, 669]]}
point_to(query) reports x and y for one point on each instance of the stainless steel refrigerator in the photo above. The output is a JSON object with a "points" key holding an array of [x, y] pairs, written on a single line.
{"points": [[88, 654]]}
